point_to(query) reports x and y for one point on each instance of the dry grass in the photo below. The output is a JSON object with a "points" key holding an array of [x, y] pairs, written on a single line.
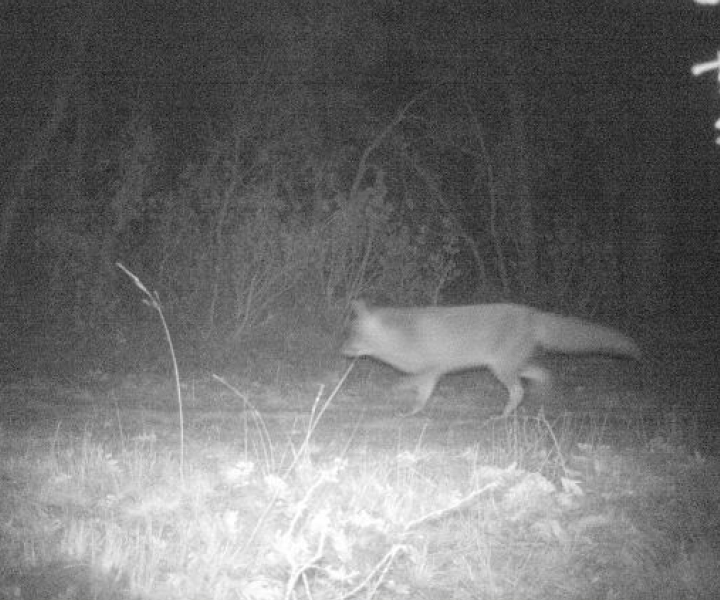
{"points": [[97, 507]]}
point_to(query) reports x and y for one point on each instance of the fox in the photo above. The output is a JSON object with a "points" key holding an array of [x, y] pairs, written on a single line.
{"points": [[426, 343]]}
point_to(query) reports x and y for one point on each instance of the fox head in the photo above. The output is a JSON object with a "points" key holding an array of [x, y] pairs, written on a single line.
{"points": [[367, 334]]}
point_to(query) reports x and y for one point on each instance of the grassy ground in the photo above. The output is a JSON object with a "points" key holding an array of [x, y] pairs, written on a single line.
{"points": [[275, 492]]}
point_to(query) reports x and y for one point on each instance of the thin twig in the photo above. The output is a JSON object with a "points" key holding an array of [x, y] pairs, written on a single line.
{"points": [[459, 505], [381, 567]]}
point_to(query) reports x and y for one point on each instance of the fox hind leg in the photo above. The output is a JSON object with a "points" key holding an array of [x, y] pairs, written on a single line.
{"points": [[515, 388], [516, 392]]}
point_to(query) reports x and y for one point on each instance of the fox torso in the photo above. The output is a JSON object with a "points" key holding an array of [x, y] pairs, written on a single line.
{"points": [[428, 342]]}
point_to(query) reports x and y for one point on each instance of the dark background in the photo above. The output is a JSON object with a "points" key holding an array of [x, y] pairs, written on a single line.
{"points": [[117, 119]]}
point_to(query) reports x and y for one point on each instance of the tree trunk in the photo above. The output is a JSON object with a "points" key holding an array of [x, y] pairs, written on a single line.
{"points": [[525, 232], [37, 151]]}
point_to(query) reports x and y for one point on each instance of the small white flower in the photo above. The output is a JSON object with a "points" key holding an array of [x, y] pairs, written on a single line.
{"points": [[239, 473], [276, 485]]}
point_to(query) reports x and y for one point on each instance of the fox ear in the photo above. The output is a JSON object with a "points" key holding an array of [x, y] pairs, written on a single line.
{"points": [[359, 307]]}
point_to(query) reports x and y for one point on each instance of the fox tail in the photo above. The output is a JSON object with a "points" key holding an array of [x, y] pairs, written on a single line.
{"points": [[576, 336]]}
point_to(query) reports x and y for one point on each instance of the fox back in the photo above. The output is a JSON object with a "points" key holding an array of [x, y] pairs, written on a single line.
{"points": [[427, 343]]}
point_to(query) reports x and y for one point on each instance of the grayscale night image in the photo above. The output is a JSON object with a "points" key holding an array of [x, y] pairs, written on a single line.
{"points": [[333, 300]]}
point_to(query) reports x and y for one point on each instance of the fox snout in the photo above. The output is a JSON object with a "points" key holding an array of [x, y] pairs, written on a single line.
{"points": [[354, 346], [348, 349], [362, 337]]}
